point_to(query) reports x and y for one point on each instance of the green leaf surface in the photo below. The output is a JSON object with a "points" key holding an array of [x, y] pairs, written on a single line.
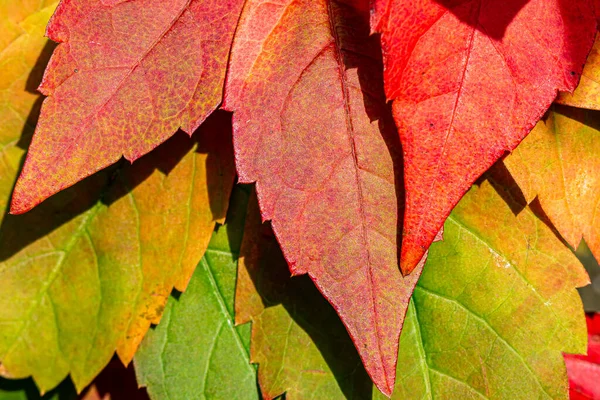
{"points": [[495, 307], [196, 352], [82, 277]]}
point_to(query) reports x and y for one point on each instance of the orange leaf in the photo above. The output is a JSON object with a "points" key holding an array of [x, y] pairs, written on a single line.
{"points": [[587, 94], [558, 164]]}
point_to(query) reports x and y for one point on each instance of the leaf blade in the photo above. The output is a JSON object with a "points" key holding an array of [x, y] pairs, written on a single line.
{"points": [[156, 70], [495, 325], [465, 90], [557, 163], [322, 139], [298, 342], [198, 338]]}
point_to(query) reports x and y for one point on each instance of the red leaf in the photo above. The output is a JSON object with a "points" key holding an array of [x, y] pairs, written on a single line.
{"points": [[584, 371], [125, 77], [312, 128], [469, 79]]}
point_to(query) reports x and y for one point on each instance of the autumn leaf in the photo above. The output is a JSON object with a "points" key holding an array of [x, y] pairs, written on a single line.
{"points": [[558, 163], [493, 326], [495, 306], [14, 23], [125, 77], [22, 42], [587, 94], [84, 274], [469, 79], [196, 350], [92, 275], [301, 347], [88, 271], [312, 129]]}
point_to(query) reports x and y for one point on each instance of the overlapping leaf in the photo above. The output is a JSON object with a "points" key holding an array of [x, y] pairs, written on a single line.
{"points": [[196, 350], [79, 276], [493, 326], [21, 43], [469, 79], [313, 130], [125, 77], [494, 308], [311, 127], [299, 343], [558, 163], [587, 93]]}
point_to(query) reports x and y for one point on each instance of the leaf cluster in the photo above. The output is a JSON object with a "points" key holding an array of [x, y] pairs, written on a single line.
{"points": [[421, 173]]}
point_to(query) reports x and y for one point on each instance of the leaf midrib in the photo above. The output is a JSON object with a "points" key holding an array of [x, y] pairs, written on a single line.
{"points": [[351, 134]]}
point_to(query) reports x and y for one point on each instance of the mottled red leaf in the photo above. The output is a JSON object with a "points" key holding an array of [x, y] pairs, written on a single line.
{"points": [[125, 77], [469, 79], [312, 128]]}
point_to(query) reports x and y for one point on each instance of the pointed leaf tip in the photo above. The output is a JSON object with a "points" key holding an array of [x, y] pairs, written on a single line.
{"points": [[118, 97], [332, 198], [465, 90]]}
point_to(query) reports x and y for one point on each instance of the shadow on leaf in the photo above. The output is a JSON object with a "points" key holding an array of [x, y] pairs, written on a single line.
{"points": [[472, 13], [107, 186], [264, 283], [493, 17], [25, 389]]}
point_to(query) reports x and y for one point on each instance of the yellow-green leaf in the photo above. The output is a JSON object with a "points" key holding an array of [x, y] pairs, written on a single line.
{"points": [[301, 346], [495, 307], [558, 163], [196, 351], [81, 277], [89, 270]]}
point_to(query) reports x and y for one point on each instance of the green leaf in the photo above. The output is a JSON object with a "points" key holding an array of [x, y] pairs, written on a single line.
{"points": [[495, 307], [82, 277], [196, 351]]}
